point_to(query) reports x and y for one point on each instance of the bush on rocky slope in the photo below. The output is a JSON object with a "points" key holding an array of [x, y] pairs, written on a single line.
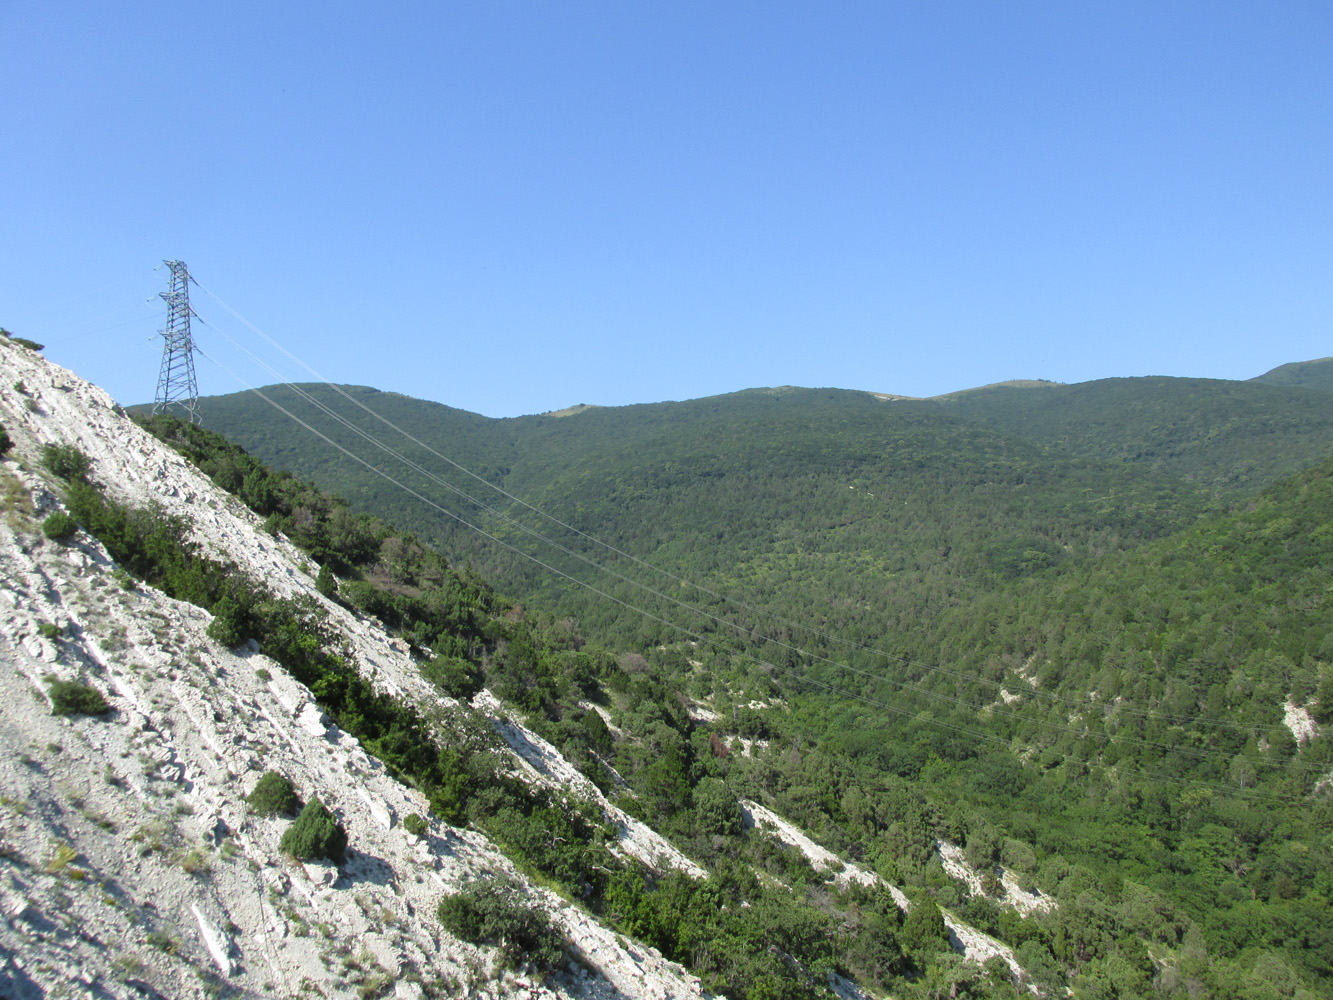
{"points": [[274, 796], [496, 913], [315, 834], [73, 698]]}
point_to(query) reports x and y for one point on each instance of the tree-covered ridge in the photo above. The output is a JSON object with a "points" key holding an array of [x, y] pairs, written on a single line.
{"points": [[1317, 374], [870, 511], [1237, 435]]}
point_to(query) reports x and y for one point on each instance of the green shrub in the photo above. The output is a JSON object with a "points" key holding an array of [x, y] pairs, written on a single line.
{"points": [[274, 796], [48, 631], [66, 462], [496, 913], [315, 834], [454, 676], [31, 345], [415, 825], [326, 583], [73, 698], [59, 526], [5, 442], [226, 627]]}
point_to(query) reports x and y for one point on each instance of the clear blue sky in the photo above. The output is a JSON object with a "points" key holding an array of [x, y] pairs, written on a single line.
{"points": [[513, 207]]}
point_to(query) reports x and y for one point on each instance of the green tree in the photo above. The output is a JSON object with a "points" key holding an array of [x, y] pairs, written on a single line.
{"points": [[923, 934], [496, 913], [59, 526], [326, 583]]}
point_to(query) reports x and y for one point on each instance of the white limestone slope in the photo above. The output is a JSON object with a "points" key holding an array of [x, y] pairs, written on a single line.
{"points": [[130, 864], [967, 940]]}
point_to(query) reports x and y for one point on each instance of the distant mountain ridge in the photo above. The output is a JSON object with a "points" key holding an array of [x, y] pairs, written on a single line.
{"points": [[1317, 374]]}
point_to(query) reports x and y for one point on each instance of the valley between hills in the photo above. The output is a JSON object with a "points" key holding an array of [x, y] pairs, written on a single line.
{"points": [[787, 693]]}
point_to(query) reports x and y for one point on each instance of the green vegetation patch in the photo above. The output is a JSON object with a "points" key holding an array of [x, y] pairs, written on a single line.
{"points": [[66, 461], [316, 834], [497, 913], [74, 698], [274, 795], [59, 526]]}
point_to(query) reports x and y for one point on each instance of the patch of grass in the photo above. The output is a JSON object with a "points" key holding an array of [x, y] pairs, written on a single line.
{"points": [[130, 962], [48, 631], [163, 941], [60, 859]]}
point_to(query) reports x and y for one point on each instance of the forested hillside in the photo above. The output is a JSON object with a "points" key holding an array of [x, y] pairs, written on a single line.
{"points": [[1090, 652], [873, 513], [1232, 435]]}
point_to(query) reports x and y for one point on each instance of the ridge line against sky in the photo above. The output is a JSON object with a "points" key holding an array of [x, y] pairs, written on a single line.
{"points": [[513, 208]]}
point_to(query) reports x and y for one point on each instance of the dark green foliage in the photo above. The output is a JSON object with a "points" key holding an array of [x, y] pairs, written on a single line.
{"points": [[59, 526], [415, 825], [923, 933], [227, 626], [48, 631], [326, 583], [31, 345], [453, 676], [5, 442], [66, 461], [1232, 434], [73, 698], [719, 814], [496, 913], [274, 795], [316, 833]]}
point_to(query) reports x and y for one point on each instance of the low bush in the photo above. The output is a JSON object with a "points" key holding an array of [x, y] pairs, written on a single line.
{"points": [[59, 526], [274, 796], [73, 698], [415, 825], [496, 913], [315, 834], [66, 462]]}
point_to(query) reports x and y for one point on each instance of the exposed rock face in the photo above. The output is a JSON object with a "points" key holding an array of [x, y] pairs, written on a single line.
{"points": [[130, 864]]}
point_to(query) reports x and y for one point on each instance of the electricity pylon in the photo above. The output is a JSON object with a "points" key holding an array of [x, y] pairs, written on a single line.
{"points": [[176, 385]]}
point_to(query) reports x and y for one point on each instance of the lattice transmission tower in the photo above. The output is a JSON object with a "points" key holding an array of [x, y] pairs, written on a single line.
{"points": [[176, 385]]}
